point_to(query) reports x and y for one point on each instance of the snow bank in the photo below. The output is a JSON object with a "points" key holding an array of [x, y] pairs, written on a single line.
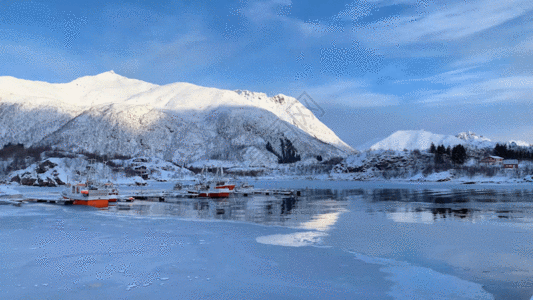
{"points": [[439, 177], [136, 180], [5, 190]]}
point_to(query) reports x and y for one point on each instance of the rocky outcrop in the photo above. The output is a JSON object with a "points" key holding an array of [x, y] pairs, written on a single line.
{"points": [[44, 174]]}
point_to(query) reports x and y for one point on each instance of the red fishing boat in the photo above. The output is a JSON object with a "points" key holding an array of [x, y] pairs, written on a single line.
{"points": [[91, 193]]}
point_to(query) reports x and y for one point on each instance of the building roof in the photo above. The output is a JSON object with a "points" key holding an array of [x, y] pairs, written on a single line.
{"points": [[492, 157], [510, 162], [495, 157]]}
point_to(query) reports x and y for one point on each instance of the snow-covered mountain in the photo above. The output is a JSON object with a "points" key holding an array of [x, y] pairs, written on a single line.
{"points": [[476, 141], [514, 144], [182, 122], [421, 140], [415, 139]]}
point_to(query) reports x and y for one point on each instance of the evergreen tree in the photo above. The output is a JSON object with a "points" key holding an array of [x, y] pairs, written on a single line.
{"points": [[269, 148], [439, 154], [459, 154], [441, 149], [288, 153], [432, 148], [500, 150]]}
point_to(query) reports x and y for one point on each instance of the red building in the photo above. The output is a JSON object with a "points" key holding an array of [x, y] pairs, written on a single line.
{"points": [[510, 164], [492, 160]]}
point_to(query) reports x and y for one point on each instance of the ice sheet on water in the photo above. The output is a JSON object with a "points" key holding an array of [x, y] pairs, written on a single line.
{"points": [[410, 281], [297, 239], [414, 282]]}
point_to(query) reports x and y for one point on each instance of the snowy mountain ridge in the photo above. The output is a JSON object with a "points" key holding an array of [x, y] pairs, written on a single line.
{"points": [[469, 136], [182, 122], [422, 140], [415, 140]]}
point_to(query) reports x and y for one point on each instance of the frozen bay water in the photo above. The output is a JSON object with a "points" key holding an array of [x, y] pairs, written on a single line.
{"points": [[53, 252], [342, 240]]}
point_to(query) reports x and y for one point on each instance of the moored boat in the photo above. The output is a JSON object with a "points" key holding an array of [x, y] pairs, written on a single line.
{"points": [[85, 194], [219, 192], [92, 192], [222, 187]]}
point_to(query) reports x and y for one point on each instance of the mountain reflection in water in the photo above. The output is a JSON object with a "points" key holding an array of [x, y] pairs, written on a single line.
{"points": [[400, 205], [260, 209], [427, 206]]}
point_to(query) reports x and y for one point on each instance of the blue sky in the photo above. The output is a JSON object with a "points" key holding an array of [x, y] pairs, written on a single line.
{"points": [[373, 66]]}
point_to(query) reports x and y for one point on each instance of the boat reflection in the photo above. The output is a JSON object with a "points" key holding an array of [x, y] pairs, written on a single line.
{"points": [[314, 211]]}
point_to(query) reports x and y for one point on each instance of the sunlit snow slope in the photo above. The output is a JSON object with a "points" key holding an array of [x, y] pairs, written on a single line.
{"points": [[421, 140], [112, 114]]}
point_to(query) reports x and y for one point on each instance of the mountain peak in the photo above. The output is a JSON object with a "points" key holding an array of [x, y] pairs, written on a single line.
{"points": [[105, 76], [414, 139], [421, 140], [182, 126], [469, 135]]}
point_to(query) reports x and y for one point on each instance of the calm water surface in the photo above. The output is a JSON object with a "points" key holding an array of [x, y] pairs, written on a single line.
{"points": [[483, 234], [480, 234]]}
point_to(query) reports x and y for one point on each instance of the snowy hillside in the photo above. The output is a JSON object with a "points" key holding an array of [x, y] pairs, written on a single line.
{"points": [[422, 140], [411, 140], [182, 122], [476, 141]]}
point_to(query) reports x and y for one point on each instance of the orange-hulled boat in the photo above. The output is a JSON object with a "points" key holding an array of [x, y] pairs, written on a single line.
{"points": [[95, 196], [92, 192], [218, 188]]}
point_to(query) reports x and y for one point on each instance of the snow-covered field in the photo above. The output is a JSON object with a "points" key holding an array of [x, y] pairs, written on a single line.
{"points": [[344, 240]]}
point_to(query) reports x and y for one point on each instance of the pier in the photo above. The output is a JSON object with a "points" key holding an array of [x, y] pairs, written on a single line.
{"points": [[11, 199], [154, 195], [161, 195]]}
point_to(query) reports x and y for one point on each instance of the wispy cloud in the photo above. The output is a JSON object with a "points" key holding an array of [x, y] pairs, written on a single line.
{"points": [[259, 11], [498, 90], [523, 48], [446, 23], [352, 93], [449, 78]]}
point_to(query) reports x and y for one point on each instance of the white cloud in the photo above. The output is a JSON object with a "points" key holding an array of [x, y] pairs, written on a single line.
{"points": [[260, 11], [444, 24], [451, 77], [499, 90], [524, 47], [483, 56], [352, 93]]}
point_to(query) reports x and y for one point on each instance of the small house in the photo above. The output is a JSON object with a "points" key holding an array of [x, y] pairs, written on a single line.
{"points": [[492, 160], [510, 164]]}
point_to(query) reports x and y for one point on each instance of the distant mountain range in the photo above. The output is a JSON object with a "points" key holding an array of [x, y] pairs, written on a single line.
{"points": [[180, 122], [421, 140]]}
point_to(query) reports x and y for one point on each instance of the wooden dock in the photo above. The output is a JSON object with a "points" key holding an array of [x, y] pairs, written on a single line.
{"points": [[162, 195], [153, 195], [11, 200]]}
